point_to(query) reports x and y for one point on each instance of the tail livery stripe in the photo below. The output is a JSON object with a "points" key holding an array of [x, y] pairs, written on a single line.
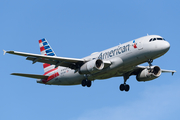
{"points": [[42, 48], [51, 54], [40, 41], [45, 43], [43, 40], [45, 65], [50, 71], [50, 77], [53, 76], [46, 49]]}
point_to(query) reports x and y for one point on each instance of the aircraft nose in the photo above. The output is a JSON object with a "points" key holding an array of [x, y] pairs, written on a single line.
{"points": [[165, 46]]}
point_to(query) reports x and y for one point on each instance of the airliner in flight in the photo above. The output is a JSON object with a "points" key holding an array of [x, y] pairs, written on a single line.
{"points": [[122, 60]]}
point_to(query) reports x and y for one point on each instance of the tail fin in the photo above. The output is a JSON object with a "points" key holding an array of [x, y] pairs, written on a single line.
{"points": [[46, 49]]}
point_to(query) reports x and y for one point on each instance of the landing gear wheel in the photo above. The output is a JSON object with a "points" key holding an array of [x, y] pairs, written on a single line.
{"points": [[88, 82], [83, 83], [122, 87], [127, 88]]}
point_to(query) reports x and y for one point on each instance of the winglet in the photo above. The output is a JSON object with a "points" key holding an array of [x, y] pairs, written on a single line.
{"points": [[173, 73], [4, 52]]}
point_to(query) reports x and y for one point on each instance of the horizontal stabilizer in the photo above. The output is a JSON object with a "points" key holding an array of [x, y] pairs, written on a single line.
{"points": [[31, 75], [4, 52]]}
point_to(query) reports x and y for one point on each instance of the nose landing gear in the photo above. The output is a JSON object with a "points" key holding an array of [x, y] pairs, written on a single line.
{"points": [[150, 61]]}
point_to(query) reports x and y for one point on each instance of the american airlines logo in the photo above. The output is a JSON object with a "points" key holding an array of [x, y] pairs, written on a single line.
{"points": [[134, 44]]}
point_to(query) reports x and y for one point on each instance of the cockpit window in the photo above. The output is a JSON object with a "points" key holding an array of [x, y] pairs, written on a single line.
{"points": [[159, 38], [154, 39]]}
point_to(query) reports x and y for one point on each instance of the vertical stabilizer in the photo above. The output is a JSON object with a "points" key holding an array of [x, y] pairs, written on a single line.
{"points": [[46, 49]]}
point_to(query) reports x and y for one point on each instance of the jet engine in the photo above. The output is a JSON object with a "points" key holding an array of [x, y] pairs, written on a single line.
{"points": [[149, 74], [91, 67]]}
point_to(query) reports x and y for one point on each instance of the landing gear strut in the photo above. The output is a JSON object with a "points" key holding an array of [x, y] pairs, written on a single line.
{"points": [[150, 61], [125, 86]]}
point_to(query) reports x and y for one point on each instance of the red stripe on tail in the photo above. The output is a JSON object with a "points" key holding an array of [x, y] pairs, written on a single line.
{"points": [[53, 76], [40, 41], [50, 71], [42, 48], [46, 65], [50, 77]]}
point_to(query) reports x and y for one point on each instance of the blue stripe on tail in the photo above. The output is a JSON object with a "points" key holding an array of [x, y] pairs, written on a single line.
{"points": [[47, 48]]}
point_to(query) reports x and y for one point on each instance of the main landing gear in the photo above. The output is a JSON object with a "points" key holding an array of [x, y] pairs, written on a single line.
{"points": [[86, 83], [125, 87]]}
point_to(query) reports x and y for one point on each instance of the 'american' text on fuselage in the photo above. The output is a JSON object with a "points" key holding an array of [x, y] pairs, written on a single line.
{"points": [[114, 52]]}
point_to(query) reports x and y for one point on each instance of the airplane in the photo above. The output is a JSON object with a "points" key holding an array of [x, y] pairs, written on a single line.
{"points": [[122, 60]]}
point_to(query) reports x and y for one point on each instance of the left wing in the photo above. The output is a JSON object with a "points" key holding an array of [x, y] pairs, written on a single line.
{"points": [[58, 61]]}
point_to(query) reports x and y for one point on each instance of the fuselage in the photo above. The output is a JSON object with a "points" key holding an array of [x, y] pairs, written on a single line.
{"points": [[123, 57]]}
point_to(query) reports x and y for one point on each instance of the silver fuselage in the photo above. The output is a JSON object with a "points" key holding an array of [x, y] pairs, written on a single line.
{"points": [[124, 57]]}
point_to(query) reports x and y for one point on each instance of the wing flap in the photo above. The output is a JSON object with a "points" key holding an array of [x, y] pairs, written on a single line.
{"points": [[31, 75]]}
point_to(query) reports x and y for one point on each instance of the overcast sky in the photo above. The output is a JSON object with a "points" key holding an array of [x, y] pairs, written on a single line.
{"points": [[77, 28]]}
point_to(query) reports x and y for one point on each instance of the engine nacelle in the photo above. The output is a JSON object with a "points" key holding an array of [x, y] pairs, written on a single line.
{"points": [[149, 74], [91, 67]]}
